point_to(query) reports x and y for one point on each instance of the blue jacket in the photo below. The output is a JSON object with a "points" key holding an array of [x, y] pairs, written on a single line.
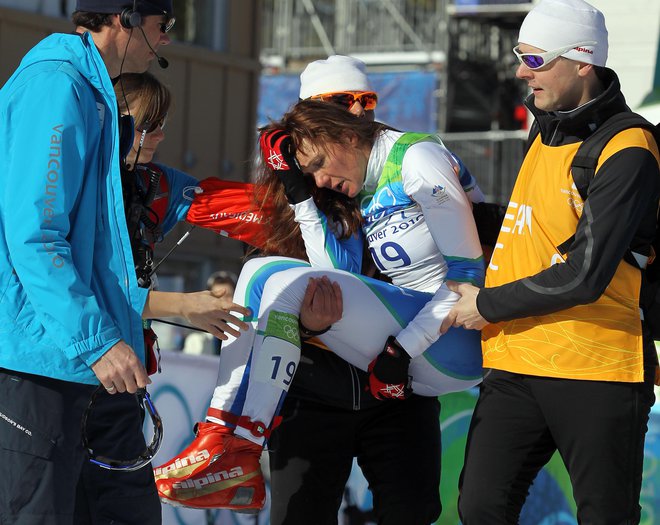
{"points": [[68, 291]]}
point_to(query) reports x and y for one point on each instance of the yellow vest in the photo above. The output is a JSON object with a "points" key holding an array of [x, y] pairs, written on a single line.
{"points": [[597, 341]]}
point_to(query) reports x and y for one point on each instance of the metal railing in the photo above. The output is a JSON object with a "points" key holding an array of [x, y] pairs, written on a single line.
{"points": [[493, 157], [299, 29]]}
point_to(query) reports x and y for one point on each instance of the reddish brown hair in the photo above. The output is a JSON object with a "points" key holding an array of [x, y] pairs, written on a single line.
{"points": [[319, 123]]}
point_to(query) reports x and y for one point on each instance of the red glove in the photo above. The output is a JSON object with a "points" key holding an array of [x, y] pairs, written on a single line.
{"points": [[388, 373], [277, 152]]}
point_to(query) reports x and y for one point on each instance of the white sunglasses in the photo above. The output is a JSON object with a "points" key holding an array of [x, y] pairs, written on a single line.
{"points": [[538, 60]]}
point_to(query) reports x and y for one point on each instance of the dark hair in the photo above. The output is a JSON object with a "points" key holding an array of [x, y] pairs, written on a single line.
{"points": [[320, 123], [153, 98], [92, 21]]}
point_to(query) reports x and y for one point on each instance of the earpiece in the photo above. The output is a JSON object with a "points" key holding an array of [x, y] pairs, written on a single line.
{"points": [[130, 18]]}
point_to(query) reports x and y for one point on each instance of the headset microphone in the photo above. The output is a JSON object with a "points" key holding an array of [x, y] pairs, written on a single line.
{"points": [[162, 61]]}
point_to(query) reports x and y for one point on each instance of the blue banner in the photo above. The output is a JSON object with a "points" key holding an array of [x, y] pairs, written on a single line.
{"points": [[406, 100]]}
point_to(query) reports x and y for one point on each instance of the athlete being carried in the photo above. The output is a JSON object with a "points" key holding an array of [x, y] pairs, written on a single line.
{"points": [[418, 223]]}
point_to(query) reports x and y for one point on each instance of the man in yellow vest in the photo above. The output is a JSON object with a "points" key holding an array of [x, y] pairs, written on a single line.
{"points": [[572, 364]]}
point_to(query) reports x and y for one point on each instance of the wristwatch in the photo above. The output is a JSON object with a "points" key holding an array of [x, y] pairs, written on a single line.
{"points": [[306, 333]]}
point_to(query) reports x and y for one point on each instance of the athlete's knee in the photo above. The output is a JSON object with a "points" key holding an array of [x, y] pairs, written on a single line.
{"points": [[286, 289], [251, 267], [279, 263]]}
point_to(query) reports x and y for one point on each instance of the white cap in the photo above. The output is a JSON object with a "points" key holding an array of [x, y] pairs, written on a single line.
{"points": [[554, 24], [336, 73]]}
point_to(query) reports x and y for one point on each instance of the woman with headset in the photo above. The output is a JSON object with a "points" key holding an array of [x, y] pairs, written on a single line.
{"points": [[114, 486]]}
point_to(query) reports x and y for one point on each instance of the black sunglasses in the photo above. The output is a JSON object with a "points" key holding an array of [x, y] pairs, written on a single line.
{"points": [[144, 401]]}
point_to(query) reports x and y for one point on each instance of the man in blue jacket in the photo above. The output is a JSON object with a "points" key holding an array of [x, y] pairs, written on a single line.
{"points": [[70, 306]]}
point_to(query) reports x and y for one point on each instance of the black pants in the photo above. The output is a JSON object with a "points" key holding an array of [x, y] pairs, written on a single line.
{"points": [[110, 497], [44, 465], [397, 445], [40, 452], [520, 421]]}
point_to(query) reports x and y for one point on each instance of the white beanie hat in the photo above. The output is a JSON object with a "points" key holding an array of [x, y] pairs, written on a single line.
{"points": [[554, 24], [336, 73]]}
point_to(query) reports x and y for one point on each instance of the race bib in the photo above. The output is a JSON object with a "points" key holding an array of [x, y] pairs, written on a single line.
{"points": [[280, 351]]}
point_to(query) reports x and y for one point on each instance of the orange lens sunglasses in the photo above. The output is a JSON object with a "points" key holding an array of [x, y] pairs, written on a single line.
{"points": [[367, 99]]}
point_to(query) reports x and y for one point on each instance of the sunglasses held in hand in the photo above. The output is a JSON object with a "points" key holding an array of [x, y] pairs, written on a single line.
{"points": [[367, 99], [144, 401], [538, 60]]}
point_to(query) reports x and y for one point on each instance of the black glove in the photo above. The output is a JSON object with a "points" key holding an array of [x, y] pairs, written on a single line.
{"points": [[277, 152], [388, 373]]}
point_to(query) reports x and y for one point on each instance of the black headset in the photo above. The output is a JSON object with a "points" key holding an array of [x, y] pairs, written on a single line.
{"points": [[130, 17]]}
